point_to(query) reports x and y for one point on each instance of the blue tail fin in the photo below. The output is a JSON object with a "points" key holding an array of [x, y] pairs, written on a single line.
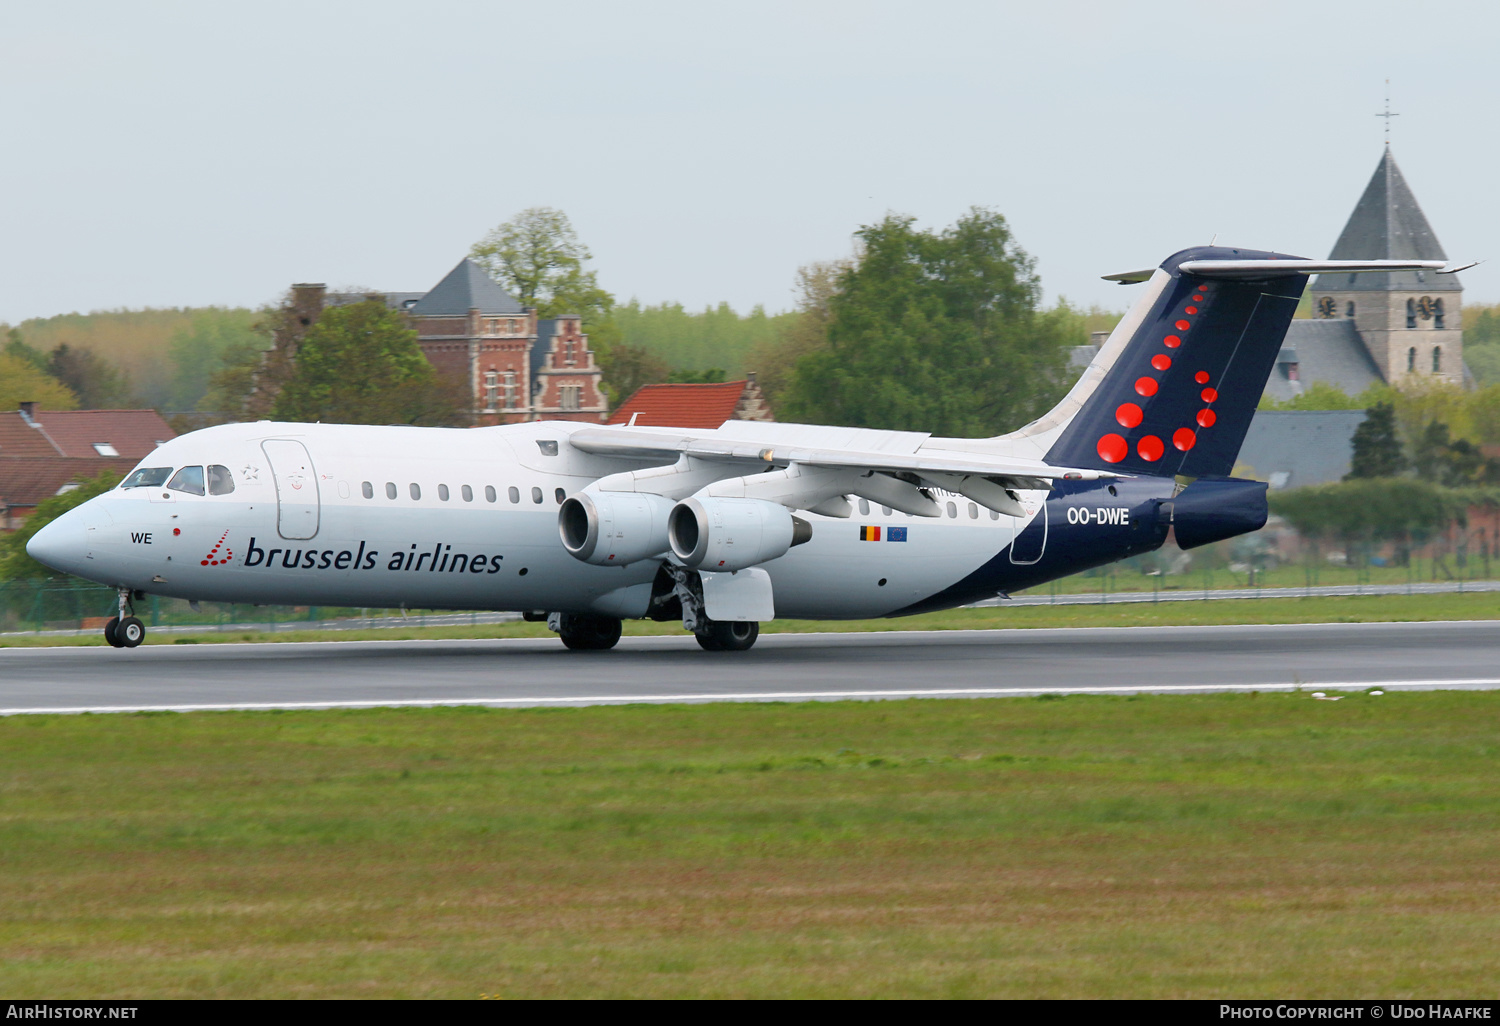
{"points": [[1178, 392]]}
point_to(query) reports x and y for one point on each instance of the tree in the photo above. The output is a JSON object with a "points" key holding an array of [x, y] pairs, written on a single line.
{"points": [[21, 381], [538, 256], [626, 368], [1453, 462], [1368, 510], [775, 362], [360, 364], [15, 346], [198, 350], [14, 562], [98, 385], [934, 331], [1377, 450]]}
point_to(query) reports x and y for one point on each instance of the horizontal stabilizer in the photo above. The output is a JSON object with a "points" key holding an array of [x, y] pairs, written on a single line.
{"points": [[1249, 270]]}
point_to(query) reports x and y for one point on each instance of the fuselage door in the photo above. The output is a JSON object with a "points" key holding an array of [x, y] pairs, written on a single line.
{"points": [[1030, 542], [297, 507]]}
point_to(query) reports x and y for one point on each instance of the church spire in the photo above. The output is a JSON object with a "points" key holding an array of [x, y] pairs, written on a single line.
{"points": [[1387, 224]]}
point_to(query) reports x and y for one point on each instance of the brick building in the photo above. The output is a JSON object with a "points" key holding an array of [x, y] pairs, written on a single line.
{"points": [[515, 365]]}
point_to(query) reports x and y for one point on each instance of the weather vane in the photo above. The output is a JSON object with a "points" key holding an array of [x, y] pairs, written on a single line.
{"points": [[1388, 115]]}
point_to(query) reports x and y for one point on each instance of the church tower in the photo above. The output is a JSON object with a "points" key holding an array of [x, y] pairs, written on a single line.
{"points": [[1410, 321]]}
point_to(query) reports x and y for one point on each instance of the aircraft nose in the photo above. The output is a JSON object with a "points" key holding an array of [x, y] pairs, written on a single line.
{"points": [[62, 544]]}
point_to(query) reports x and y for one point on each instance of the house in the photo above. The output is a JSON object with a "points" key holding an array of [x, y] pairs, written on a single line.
{"points": [[693, 406], [47, 452], [1292, 448], [514, 365]]}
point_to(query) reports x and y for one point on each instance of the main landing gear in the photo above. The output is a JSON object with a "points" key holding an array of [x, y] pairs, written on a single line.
{"points": [[585, 633], [712, 635], [676, 594], [727, 636], [125, 631]]}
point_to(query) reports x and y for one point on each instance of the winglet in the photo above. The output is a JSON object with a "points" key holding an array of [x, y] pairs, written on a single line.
{"points": [[1131, 277]]}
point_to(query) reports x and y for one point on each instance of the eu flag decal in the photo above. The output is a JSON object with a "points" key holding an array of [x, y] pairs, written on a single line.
{"points": [[895, 534], [869, 534]]}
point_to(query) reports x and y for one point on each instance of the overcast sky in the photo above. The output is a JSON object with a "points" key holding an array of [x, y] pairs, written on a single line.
{"points": [[192, 154]]}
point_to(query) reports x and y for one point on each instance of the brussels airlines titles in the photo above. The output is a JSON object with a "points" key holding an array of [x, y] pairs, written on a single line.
{"points": [[442, 559]]}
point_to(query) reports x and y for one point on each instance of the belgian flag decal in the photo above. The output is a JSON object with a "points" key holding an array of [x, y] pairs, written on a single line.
{"points": [[869, 534]]}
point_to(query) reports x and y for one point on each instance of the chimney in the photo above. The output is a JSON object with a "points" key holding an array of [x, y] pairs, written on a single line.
{"points": [[307, 302], [27, 410]]}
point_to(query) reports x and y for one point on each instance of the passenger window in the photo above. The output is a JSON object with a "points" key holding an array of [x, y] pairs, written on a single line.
{"points": [[367, 490], [443, 492], [147, 477], [864, 507], [536, 495], [220, 480], [515, 494], [973, 512], [561, 495], [886, 510], [994, 515], [489, 493], [390, 489], [468, 494], [188, 479], [952, 510], [415, 489]]}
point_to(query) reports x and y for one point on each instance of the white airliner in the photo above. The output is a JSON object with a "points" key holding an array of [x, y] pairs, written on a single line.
{"points": [[586, 526]]}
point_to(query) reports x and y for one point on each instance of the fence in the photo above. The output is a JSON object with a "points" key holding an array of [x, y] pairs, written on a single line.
{"points": [[34, 606]]}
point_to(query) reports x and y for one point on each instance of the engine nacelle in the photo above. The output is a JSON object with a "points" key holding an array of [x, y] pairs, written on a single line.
{"points": [[614, 528], [732, 534]]}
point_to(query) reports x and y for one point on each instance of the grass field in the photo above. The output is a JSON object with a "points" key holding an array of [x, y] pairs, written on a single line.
{"points": [[1222, 845], [1366, 609]]}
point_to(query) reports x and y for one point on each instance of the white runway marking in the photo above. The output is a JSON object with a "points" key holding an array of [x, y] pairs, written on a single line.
{"points": [[760, 696]]}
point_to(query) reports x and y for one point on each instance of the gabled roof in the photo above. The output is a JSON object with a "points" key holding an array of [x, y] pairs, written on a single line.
{"points": [[20, 437], [542, 345], [27, 480], [132, 433], [74, 433], [466, 288], [685, 406], [1292, 448], [1330, 351], [1387, 224]]}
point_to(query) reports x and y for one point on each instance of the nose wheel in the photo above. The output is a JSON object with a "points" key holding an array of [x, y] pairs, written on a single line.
{"points": [[125, 631]]}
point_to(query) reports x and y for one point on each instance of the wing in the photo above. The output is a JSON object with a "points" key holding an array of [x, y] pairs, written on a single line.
{"points": [[812, 467]]}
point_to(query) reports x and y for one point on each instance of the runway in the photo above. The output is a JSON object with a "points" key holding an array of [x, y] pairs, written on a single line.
{"points": [[785, 667]]}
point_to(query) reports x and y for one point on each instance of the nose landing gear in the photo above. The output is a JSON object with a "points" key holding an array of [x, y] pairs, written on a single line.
{"points": [[125, 631]]}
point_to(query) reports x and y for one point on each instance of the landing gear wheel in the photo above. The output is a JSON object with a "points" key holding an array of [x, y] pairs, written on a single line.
{"points": [[589, 633], [109, 633], [130, 632], [729, 636]]}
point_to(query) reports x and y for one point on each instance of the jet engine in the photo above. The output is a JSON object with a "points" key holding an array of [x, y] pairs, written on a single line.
{"points": [[732, 534], [614, 528]]}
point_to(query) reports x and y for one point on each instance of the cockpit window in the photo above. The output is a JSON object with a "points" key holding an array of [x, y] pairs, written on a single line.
{"points": [[220, 480], [188, 479], [147, 477]]}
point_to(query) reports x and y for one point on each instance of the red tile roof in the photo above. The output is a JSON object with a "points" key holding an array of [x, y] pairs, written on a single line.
{"points": [[18, 438], [27, 480], [687, 406], [133, 433]]}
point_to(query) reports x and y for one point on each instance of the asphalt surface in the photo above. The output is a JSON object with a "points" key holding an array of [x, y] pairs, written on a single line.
{"points": [[786, 667]]}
